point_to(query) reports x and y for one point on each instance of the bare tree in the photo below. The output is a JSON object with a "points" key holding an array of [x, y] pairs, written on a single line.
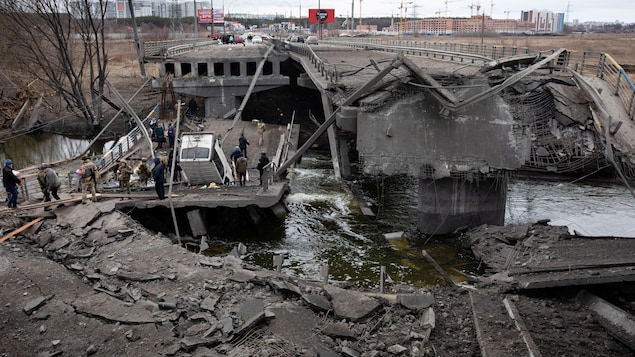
{"points": [[61, 42]]}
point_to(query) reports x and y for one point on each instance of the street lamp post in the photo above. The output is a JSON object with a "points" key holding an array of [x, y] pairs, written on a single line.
{"points": [[212, 35]]}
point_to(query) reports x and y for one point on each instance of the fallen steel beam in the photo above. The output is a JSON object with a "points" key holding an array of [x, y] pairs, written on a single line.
{"points": [[396, 63]]}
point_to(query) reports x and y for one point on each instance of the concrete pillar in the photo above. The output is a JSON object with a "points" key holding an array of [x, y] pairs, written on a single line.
{"points": [[450, 203], [243, 68], [195, 70], [177, 70], [275, 67]]}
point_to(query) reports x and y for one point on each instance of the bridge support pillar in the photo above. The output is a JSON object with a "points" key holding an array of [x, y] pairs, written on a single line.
{"points": [[449, 203]]}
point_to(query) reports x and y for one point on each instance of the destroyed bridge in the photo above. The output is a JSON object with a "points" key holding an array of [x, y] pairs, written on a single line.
{"points": [[461, 118]]}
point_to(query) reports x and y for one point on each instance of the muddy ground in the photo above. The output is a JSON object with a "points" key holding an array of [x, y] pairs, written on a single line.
{"points": [[88, 280]]}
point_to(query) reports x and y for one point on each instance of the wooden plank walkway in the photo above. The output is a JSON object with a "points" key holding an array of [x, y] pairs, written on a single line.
{"points": [[493, 325]]}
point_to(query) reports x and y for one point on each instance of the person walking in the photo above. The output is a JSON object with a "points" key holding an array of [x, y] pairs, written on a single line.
{"points": [[41, 179], [235, 155], [193, 108], [260, 127], [158, 175], [171, 133], [89, 179], [123, 176], [242, 144], [262, 162], [159, 136], [11, 182], [144, 172], [241, 170], [49, 182]]}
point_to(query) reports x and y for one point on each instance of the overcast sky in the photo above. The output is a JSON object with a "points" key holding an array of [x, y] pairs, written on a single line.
{"points": [[583, 10]]}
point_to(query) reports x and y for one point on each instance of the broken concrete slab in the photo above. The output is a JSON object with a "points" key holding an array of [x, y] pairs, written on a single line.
{"points": [[415, 301], [209, 303], [252, 321], [192, 343], [285, 287], [134, 276], [112, 309], [296, 325], [242, 275], [317, 302], [36, 304], [351, 305], [80, 216], [250, 308], [339, 330]]}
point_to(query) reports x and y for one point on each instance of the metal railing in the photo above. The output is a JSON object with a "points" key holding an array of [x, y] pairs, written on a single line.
{"points": [[173, 47], [586, 63], [327, 70], [124, 145]]}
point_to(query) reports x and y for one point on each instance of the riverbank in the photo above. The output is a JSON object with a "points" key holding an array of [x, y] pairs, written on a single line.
{"points": [[88, 280]]}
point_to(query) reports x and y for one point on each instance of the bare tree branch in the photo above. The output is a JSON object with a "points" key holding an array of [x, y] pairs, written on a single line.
{"points": [[61, 42]]}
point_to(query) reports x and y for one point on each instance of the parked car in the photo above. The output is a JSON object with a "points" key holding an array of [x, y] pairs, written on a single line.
{"points": [[256, 39], [312, 40]]}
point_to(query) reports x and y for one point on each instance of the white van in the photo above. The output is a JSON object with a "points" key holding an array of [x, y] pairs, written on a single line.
{"points": [[202, 159]]}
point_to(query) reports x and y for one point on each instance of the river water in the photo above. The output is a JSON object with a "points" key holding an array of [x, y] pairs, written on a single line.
{"points": [[325, 226]]}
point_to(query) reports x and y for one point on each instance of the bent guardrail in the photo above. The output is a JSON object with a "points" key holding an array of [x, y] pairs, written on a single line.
{"points": [[586, 63]]}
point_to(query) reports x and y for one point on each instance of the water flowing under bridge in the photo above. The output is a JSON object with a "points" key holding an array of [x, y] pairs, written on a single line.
{"points": [[459, 117]]}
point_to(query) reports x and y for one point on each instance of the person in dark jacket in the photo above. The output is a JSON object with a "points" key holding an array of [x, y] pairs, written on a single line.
{"points": [[242, 144], [193, 107], [158, 175], [11, 183], [262, 162], [235, 155]]}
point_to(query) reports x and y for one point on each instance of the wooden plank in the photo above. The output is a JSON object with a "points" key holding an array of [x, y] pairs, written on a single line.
{"points": [[21, 229], [520, 325], [495, 332]]}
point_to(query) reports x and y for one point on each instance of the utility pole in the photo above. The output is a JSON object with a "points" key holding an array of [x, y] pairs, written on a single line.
{"points": [[195, 21], [142, 67], [352, 17], [212, 35]]}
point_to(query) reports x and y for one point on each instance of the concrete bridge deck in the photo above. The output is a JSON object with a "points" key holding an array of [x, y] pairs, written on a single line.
{"points": [[457, 121]]}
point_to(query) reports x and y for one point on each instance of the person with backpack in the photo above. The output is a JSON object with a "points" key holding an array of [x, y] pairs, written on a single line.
{"points": [[49, 182], [89, 179], [123, 176], [144, 172]]}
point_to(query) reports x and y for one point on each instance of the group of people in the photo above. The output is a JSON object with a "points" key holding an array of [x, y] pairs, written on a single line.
{"points": [[240, 161], [47, 178]]}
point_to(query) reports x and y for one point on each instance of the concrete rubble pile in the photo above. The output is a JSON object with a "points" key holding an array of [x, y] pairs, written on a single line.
{"points": [[93, 281]]}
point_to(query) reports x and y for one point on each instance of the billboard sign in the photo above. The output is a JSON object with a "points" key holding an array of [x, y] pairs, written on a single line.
{"points": [[205, 16], [321, 16]]}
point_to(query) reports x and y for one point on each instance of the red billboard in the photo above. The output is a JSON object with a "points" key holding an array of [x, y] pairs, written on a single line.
{"points": [[321, 15], [205, 16]]}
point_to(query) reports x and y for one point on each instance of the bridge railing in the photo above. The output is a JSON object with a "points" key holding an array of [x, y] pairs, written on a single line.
{"points": [[587, 63], [124, 145], [173, 47], [327, 70]]}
